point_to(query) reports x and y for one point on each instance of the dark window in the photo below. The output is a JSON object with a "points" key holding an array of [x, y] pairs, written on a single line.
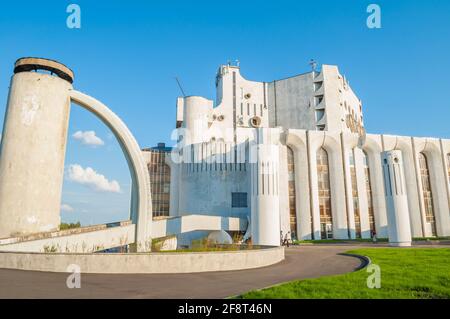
{"points": [[291, 192], [238, 199], [323, 178], [160, 183], [369, 193], [355, 195], [427, 193]]}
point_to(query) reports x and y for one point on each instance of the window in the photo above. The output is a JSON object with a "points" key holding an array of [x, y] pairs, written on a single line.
{"points": [[160, 183], [369, 194], [238, 200], [319, 115], [355, 196], [427, 193], [323, 179], [291, 192]]}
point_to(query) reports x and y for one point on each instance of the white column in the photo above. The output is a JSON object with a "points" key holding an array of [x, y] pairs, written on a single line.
{"points": [[362, 194], [174, 185], [265, 215], [399, 228], [349, 192], [314, 193], [285, 214]]}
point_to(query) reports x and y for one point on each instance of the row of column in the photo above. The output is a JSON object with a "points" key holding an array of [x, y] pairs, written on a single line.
{"points": [[339, 146]]}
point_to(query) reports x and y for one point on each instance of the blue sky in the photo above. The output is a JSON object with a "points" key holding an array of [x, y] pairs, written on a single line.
{"points": [[127, 53]]}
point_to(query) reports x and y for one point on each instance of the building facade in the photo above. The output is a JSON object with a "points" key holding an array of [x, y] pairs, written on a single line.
{"points": [[293, 156], [159, 172]]}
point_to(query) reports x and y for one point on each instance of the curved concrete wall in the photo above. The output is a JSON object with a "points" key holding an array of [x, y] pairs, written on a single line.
{"points": [[152, 263]]}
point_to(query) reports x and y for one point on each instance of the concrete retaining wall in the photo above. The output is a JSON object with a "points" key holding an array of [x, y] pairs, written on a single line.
{"points": [[83, 242], [155, 263]]}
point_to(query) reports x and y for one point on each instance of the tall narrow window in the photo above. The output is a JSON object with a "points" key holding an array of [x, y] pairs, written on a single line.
{"points": [[369, 194], [426, 193], [291, 192], [355, 196], [160, 182], [323, 178]]}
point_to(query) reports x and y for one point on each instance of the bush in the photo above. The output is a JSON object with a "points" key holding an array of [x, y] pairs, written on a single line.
{"points": [[65, 226]]}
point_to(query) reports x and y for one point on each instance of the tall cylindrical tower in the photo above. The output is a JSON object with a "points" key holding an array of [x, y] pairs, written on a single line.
{"points": [[399, 228], [265, 210], [196, 111], [33, 147]]}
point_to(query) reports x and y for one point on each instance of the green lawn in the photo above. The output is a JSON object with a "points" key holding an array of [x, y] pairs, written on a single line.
{"points": [[337, 241], [405, 273], [362, 240]]}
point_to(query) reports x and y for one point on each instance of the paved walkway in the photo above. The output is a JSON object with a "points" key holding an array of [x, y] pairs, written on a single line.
{"points": [[301, 262]]}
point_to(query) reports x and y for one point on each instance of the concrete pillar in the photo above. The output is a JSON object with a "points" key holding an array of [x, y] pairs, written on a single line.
{"points": [[399, 228], [265, 214], [33, 147], [285, 214], [174, 185], [296, 140], [362, 193]]}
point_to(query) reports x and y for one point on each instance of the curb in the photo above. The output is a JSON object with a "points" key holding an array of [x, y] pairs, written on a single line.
{"points": [[366, 261]]}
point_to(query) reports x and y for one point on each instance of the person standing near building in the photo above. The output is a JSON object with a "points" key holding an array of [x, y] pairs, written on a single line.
{"points": [[374, 236]]}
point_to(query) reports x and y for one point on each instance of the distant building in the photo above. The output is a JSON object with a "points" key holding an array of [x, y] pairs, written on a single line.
{"points": [[159, 173]]}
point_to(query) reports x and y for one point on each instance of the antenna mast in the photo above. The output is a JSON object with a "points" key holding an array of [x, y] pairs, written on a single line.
{"points": [[313, 64], [179, 85]]}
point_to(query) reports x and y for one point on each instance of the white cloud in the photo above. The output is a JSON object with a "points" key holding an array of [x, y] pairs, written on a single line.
{"points": [[88, 138], [89, 177], [66, 208]]}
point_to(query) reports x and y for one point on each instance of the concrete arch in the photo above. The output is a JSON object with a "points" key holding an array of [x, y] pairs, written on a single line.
{"points": [[337, 182], [350, 142], [296, 140], [432, 151], [141, 206], [331, 143], [372, 148]]}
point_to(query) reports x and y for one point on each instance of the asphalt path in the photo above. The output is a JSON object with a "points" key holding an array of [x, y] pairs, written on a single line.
{"points": [[300, 262]]}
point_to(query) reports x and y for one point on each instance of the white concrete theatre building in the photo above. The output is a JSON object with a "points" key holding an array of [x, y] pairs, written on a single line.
{"points": [[292, 155]]}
